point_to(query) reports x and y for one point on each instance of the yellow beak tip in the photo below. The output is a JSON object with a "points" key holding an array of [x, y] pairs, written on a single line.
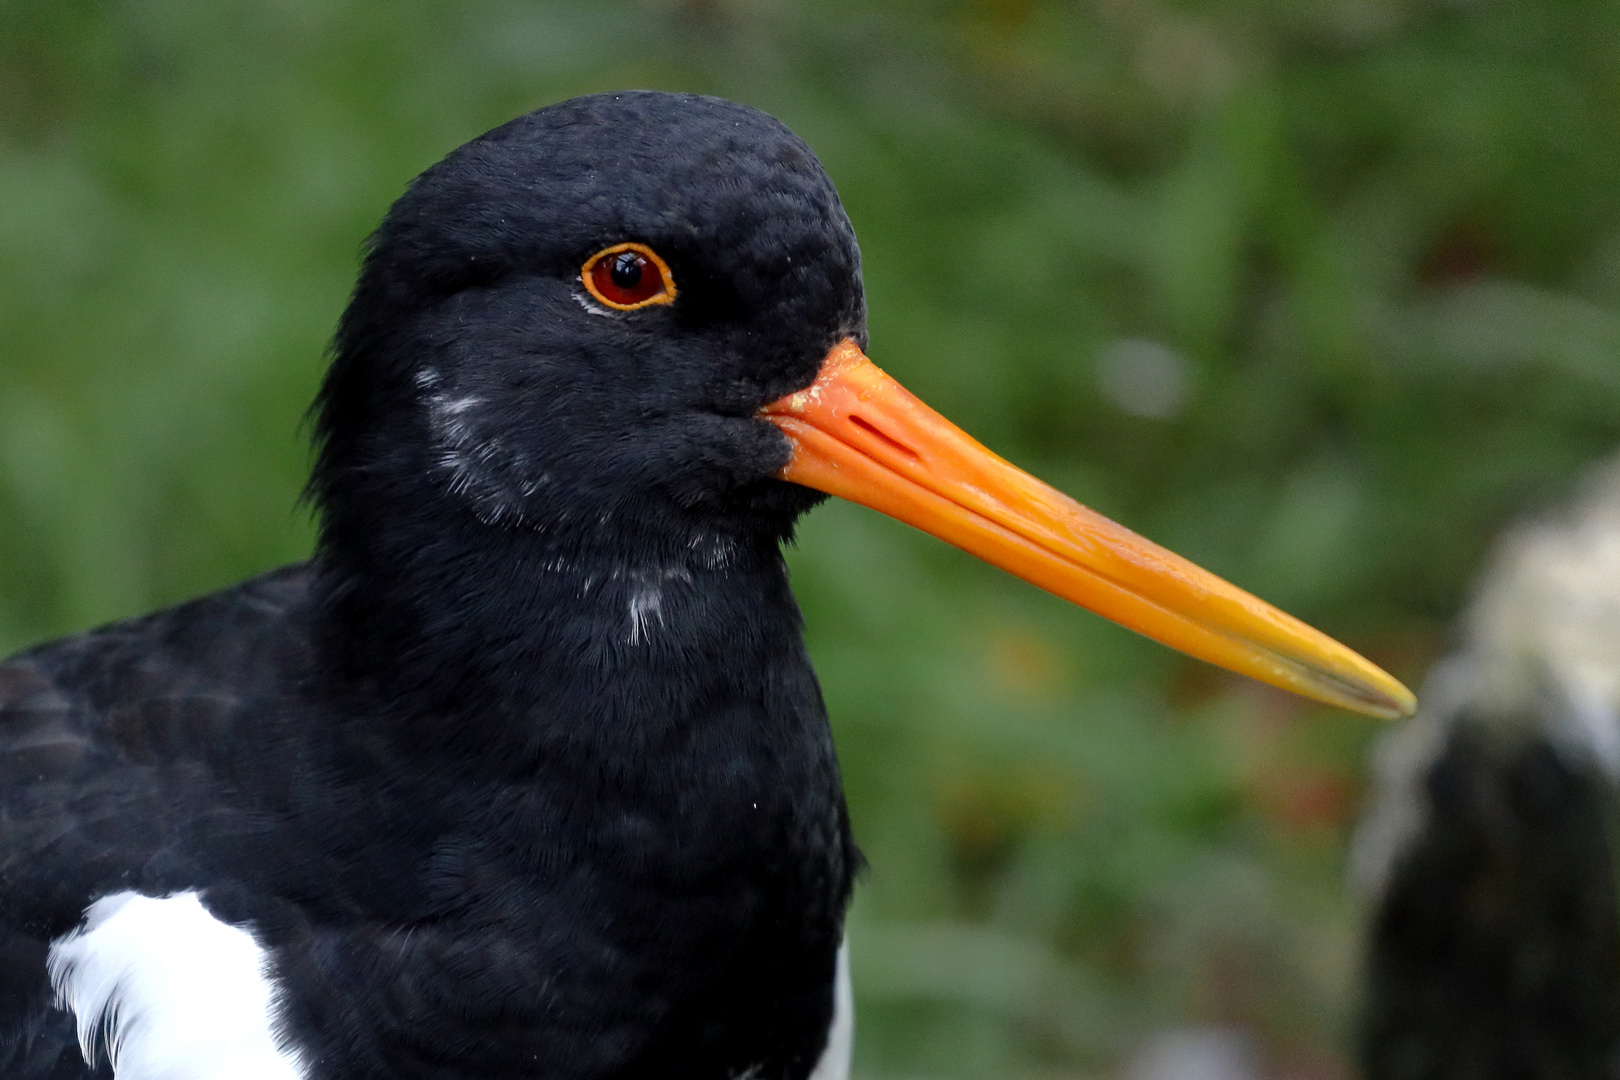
{"points": [[858, 434]]}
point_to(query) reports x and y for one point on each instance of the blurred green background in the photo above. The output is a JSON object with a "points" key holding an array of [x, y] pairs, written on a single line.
{"points": [[1316, 292]]}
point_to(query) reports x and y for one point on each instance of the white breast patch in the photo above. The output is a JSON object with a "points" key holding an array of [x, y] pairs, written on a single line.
{"points": [[834, 1063], [174, 993]]}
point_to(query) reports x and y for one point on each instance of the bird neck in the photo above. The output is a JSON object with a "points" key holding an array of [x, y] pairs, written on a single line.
{"points": [[494, 643]]}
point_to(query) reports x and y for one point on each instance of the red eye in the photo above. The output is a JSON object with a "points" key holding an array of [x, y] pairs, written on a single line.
{"points": [[628, 276]]}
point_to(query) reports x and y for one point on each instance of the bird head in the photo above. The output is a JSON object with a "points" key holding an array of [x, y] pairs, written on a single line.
{"points": [[635, 322], [570, 324]]}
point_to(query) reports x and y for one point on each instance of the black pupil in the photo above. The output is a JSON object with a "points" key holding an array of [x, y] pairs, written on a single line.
{"points": [[626, 269]]}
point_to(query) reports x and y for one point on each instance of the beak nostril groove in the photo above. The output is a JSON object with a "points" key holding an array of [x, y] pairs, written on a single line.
{"points": [[906, 460], [877, 433]]}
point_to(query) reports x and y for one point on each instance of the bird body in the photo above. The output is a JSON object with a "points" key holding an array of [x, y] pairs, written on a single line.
{"points": [[1486, 855], [526, 773], [408, 888]]}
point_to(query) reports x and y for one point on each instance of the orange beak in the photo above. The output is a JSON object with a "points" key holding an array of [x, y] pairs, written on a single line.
{"points": [[860, 435]]}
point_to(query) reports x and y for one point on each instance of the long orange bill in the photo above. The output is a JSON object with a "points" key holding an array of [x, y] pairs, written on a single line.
{"points": [[860, 435]]}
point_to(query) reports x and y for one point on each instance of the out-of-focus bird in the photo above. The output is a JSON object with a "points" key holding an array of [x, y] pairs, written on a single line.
{"points": [[526, 773], [1487, 853]]}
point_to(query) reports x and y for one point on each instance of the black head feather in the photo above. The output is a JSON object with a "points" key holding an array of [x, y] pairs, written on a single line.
{"points": [[473, 369]]}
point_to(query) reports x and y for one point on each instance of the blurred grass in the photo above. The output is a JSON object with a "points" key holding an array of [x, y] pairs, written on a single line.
{"points": [[1317, 292]]}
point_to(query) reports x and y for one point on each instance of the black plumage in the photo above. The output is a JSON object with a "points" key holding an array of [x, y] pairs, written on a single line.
{"points": [[1494, 951], [1487, 854], [526, 773]]}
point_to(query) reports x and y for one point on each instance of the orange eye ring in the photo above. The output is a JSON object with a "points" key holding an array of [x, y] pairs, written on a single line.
{"points": [[628, 276]]}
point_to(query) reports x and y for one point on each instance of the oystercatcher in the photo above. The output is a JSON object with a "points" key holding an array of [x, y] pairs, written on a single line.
{"points": [[526, 773], [1487, 855]]}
